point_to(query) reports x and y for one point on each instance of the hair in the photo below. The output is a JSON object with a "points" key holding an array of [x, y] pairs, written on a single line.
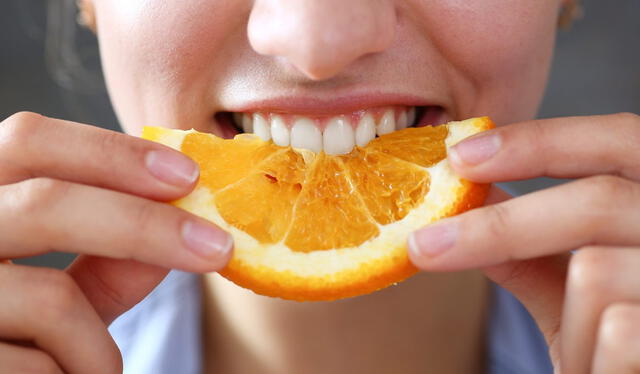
{"points": [[71, 51]]}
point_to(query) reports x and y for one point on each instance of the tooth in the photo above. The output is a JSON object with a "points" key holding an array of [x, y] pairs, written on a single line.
{"points": [[247, 123], [338, 137], [402, 121], [279, 132], [305, 134], [387, 123], [261, 127], [365, 131], [411, 116], [237, 118]]}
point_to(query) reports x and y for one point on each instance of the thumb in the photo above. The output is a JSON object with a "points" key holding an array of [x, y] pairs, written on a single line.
{"points": [[538, 283], [113, 286]]}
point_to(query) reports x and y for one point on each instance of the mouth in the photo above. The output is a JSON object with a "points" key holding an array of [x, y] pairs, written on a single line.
{"points": [[334, 134]]}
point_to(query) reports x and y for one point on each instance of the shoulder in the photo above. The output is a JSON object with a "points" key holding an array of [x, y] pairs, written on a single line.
{"points": [[161, 334], [514, 342]]}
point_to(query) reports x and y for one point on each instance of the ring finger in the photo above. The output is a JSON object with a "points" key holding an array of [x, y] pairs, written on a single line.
{"points": [[598, 277], [618, 347], [46, 307], [17, 359]]}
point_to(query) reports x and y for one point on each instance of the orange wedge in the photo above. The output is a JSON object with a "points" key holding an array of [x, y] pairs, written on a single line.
{"points": [[310, 226]]}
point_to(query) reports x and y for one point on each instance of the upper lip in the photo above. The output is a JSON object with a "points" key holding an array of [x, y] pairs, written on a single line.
{"points": [[339, 104]]}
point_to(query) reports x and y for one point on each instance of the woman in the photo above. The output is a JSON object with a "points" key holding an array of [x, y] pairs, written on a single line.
{"points": [[184, 64]]}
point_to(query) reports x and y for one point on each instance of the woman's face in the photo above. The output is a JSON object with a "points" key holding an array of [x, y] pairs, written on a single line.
{"points": [[181, 64]]}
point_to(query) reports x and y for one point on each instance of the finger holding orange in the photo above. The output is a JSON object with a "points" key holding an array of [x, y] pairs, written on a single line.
{"points": [[101, 196], [524, 243]]}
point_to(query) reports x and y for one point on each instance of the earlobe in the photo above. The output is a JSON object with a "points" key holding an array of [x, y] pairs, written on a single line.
{"points": [[570, 11], [86, 15]]}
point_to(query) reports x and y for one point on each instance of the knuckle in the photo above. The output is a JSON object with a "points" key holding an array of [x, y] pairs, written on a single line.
{"points": [[628, 117], [619, 326], [607, 193], [19, 127], [607, 185], [39, 362], [108, 142], [538, 137], [497, 219], [589, 272], [40, 194], [146, 218], [55, 293]]}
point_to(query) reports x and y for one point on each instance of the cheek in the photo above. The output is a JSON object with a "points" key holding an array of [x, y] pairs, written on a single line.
{"points": [[161, 58], [501, 49]]}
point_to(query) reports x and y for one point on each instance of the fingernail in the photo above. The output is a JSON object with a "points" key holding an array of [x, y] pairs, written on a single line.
{"points": [[434, 239], [173, 168], [476, 149], [206, 241]]}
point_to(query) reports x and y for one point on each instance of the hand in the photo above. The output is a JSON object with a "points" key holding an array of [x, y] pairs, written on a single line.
{"points": [[76, 188], [586, 304]]}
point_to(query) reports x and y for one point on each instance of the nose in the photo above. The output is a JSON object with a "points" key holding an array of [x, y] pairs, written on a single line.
{"points": [[321, 37]]}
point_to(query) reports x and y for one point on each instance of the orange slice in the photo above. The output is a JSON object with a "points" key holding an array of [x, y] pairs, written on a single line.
{"points": [[310, 226]]}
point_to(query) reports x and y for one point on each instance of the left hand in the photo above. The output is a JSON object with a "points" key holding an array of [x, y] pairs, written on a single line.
{"points": [[587, 304]]}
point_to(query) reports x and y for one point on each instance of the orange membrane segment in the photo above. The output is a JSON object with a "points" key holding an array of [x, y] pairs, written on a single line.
{"points": [[261, 204], [424, 146], [344, 221], [390, 187], [223, 162], [272, 193]]}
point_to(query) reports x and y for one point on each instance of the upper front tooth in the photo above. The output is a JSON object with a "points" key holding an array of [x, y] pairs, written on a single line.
{"points": [[387, 123], [247, 123], [305, 134], [261, 127], [338, 137], [366, 130], [279, 131], [402, 120]]}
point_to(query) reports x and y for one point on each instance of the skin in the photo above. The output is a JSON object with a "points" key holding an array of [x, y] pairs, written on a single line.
{"points": [[167, 64]]}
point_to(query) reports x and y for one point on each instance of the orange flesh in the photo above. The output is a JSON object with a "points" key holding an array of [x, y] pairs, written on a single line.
{"points": [[273, 194]]}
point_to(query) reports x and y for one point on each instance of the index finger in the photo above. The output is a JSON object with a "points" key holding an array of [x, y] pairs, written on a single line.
{"points": [[568, 147], [34, 146]]}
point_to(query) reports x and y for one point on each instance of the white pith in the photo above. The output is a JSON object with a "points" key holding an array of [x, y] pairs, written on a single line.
{"points": [[339, 136], [333, 263]]}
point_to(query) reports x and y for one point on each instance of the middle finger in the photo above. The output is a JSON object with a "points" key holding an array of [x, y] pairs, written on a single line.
{"points": [[41, 215], [596, 210]]}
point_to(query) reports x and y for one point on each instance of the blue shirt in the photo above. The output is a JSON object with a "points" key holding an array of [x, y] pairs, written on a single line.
{"points": [[162, 334]]}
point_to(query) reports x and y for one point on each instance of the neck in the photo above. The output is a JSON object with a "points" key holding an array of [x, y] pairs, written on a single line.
{"points": [[430, 323]]}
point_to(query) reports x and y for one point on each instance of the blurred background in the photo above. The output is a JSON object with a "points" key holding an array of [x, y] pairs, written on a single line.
{"points": [[596, 71]]}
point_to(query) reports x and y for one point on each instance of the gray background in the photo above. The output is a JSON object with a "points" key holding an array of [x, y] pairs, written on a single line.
{"points": [[596, 71]]}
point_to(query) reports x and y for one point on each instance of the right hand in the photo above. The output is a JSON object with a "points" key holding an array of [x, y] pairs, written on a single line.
{"points": [[76, 188]]}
